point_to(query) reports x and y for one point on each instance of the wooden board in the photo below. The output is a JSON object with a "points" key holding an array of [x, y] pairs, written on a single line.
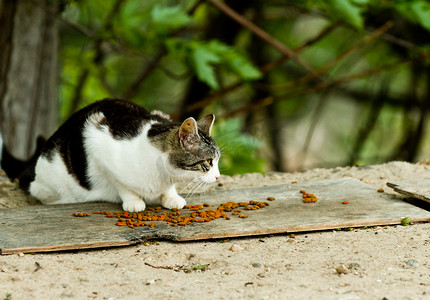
{"points": [[417, 189], [53, 228]]}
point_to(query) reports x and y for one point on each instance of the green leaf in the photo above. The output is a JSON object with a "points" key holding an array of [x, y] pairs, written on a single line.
{"points": [[422, 11], [345, 9], [417, 11], [201, 267], [202, 62], [236, 61], [171, 17]]}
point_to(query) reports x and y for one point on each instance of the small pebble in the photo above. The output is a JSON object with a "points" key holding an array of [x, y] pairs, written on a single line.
{"points": [[20, 254], [150, 281], [342, 269], [354, 266], [412, 263], [256, 265], [236, 248]]}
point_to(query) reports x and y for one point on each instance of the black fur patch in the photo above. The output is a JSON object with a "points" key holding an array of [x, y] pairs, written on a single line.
{"points": [[161, 128]]}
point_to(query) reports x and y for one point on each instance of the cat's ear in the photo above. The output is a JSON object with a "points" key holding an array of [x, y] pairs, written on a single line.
{"points": [[206, 123], [188, 133]]}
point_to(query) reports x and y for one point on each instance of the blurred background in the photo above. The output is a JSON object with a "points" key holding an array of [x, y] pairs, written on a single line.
{"points": [[293, 84]]}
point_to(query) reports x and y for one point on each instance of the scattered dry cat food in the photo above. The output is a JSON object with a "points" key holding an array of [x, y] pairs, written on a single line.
{"points": [[308, 198], [176, 217], [345, 202], [380, 190], [81, 214], [270, 198]]}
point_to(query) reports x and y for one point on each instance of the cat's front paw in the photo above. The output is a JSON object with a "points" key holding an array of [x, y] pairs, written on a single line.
{"points": [[172, 201], [134, 205]]}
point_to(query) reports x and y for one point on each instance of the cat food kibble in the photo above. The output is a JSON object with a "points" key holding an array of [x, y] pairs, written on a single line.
{"points": [[81, 214], [176, 217], [308, 198]]}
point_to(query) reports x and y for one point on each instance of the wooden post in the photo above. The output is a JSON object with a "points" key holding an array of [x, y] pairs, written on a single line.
{"points": [[28, 73]]}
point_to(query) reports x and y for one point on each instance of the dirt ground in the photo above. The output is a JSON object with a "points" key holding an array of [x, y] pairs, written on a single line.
{"points": [[390, 262]]}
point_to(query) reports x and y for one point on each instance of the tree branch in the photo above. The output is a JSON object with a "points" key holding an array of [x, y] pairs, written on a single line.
{"points": [[260, 33], [330, 64], [252, 106]]}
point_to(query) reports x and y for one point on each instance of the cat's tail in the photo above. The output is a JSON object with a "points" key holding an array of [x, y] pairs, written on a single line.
{"points": [[23, 170]]}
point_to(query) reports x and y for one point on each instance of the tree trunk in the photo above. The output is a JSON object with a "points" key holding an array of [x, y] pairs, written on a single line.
{"points": [[28, 73]]}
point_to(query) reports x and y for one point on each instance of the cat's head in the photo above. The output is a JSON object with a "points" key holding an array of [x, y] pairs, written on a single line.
{"points": [[196, 153]]}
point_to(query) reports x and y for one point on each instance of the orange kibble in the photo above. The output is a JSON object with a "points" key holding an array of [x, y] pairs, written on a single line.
{"points": [[97, 212], [175, 218], [345, 202]]}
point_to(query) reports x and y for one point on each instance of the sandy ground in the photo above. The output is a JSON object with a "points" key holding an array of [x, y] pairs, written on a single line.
{"points": [[374, 263]]}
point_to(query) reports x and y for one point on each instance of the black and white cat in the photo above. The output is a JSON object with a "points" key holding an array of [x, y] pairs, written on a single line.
{"points": [[116, 151]]}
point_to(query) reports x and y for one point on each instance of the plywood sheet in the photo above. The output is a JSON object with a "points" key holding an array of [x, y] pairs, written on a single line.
{"points": [[416, 189], [53, 228]]}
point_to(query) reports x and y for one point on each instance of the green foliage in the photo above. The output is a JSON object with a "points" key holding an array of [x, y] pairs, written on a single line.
{"points": [[169, 17], [417, 11], [348, 11], [204, 57], [239, 150], [202, 61]]}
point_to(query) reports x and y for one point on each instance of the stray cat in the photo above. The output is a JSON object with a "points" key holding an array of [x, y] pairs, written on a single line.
{"points": [[116, 151]]}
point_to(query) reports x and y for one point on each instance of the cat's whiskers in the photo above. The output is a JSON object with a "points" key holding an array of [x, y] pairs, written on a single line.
{"points": [[196, 183], [188, 184], [197, 186]]}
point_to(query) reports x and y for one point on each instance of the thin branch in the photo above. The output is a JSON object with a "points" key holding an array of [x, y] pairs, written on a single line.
{"points": [[147, 70], [335, 61], [173, 75], [98, 57], [77, 95], [260, 33], [344, 80], [134, 87], [300, 48], [372, 118], [252, 106], [322, 102]]}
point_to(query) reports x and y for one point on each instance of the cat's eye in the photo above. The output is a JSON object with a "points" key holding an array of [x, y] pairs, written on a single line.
{"points": [[209, 161]]}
